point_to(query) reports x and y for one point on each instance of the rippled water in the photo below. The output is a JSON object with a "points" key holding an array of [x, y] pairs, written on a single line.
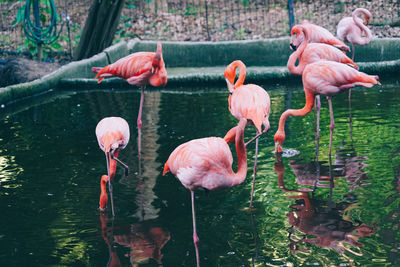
{"points": [[50, 169]]}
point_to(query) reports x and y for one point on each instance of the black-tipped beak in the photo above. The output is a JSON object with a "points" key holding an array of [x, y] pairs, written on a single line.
{"points": [[293, 47]]}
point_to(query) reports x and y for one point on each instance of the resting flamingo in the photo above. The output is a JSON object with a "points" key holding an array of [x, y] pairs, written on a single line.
{"points": [[308, 53], [112, 135], [328, 78], [248, 101], [207, 163], [351, 29], [317, 34], [140, 69]]}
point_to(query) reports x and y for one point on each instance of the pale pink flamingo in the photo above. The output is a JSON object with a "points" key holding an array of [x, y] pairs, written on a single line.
{"points": [[247, 101], [352, 29], [207, 163], [140, 69], [328, 78], [112, 135], [317, 34], [307, 53]]}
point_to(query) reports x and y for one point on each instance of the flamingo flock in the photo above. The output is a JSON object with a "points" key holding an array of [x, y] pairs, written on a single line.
{"points": [[207, 162]]}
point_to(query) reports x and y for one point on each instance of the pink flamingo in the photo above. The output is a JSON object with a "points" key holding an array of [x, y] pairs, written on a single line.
{"points": [[138, 69], [317, 34], [308, 53], [112, 135], [328, 78], [248, 101], [207, 163], [351, 29]]}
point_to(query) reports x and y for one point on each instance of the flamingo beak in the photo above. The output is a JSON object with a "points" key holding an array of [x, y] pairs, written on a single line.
{"points": [[278, 147], [293, 47], [230, 85]]}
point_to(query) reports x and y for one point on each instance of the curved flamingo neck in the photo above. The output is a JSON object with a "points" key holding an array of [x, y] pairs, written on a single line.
{"points": [[103, 195], [242, 73], [241, 153], [280, 133], [291, 64], [368, 35]]}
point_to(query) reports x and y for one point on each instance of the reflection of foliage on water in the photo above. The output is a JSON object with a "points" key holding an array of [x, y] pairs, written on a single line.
{"points": [[9, 171]]}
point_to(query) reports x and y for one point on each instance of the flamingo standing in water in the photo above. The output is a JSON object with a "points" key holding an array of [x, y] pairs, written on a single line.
{"points": [[138, 69], [248, 101], [317, 34], [351, 29], [307, 53], [207, 163], [328, 78], [112, 135]]}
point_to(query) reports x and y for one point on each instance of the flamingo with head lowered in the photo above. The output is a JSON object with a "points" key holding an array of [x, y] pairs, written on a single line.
{"points": [[112, 135], [328, 78], [308, 53], [207, 163], [248, 101], [317, 34], [140, 69], [354, 30]]}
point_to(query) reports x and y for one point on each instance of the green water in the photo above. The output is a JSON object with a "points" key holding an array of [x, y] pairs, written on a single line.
{"points": [[50, 169]]}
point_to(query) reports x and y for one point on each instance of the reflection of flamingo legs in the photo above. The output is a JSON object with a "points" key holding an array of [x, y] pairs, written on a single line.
{"points": [[139, 121]]}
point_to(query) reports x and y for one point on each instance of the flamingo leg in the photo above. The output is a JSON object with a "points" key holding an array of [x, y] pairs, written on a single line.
{"points": [[350, 119], [139, 119], [195, 237], [332, 125], [317, 115], [109, 183], [254, 172]]}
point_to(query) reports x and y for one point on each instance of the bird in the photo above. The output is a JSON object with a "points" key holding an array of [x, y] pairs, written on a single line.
{"points": [[317, 34], [140, 69], [328, 78], [307, 53], [112, 135], [207, 163], [247, 101], [351, 29]]}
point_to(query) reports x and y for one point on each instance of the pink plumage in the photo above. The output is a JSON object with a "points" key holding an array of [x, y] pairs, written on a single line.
{"points": [[317, 34]]}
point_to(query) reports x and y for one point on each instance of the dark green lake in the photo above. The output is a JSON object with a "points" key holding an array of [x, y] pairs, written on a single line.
{"points": [[50, 169]]}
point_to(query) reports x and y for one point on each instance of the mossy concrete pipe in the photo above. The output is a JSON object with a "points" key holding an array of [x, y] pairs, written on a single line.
{"points": [[202, 63]]}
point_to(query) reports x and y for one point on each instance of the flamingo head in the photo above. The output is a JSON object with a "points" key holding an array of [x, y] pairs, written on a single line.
{"points": [[230, 74], [279, 138], [366, 16], [159, 77], [103, 196], [297, 37]]}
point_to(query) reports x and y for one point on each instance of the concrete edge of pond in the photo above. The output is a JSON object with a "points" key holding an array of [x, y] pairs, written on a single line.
{"points": [[182, 71]]}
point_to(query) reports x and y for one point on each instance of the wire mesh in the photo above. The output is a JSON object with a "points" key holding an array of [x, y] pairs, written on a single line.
{"points": [[205, 20]]}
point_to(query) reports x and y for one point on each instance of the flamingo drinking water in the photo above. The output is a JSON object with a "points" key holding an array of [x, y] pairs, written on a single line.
{"points": [[112, 135]]}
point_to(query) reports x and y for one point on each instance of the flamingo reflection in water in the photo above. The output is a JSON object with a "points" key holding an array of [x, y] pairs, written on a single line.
{"points": [[326, 221], [145, 240]]}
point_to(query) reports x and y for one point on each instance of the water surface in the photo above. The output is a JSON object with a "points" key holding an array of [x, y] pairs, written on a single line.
{"points": [[50, 169]]}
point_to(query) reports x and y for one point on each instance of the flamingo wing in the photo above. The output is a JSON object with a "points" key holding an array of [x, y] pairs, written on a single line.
{"points": [[201, 163], [252, 102]]}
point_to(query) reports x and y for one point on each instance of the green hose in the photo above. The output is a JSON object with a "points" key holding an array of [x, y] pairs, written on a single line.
{"points": [[34, 31]]}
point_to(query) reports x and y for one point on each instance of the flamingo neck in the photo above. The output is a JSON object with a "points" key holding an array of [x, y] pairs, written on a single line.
{"points": [[280, 134], [103, 195], [241, 153], [291, 64], [242, 73], [368, 35]]}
